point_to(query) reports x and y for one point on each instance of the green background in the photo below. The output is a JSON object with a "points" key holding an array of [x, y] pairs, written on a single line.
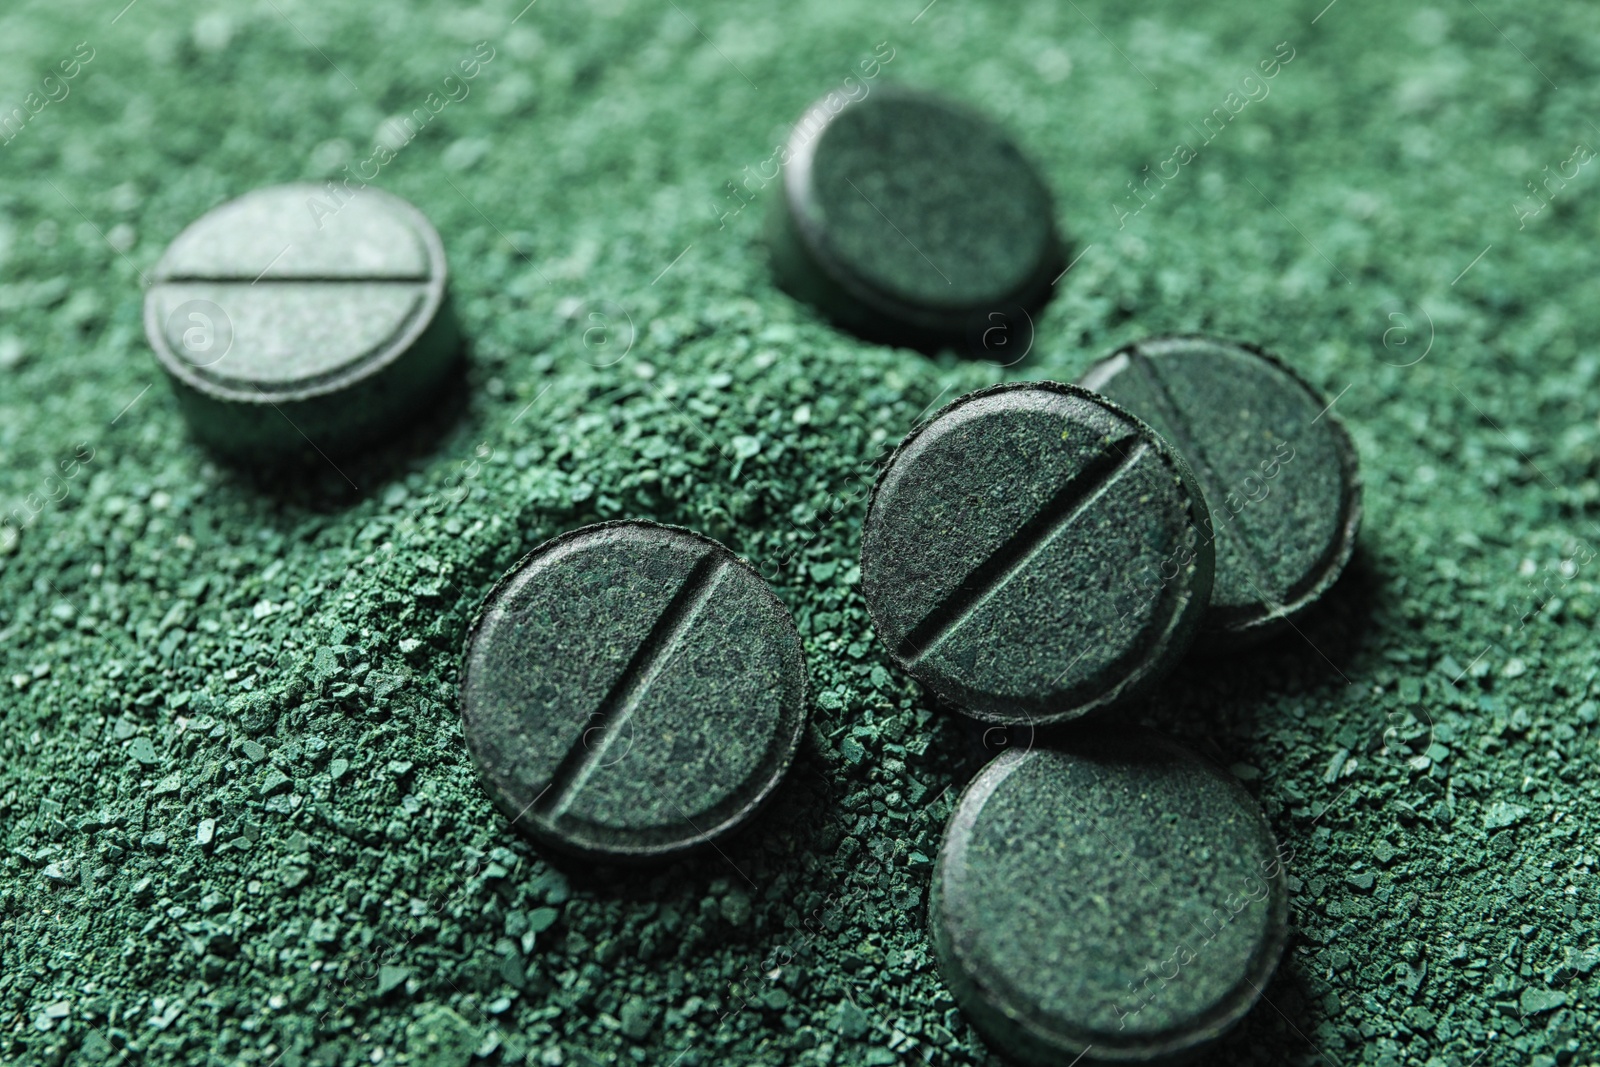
{"points": [[183, 641]]}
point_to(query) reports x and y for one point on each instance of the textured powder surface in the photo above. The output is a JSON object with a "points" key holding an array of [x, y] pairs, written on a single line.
{"points": [[1116, 893], [1032, 553], [238, 823], [631, 690], [1277, 469]]}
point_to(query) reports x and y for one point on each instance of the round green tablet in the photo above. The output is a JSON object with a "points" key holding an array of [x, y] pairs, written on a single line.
{"points": [[632, 691], [1278, 470], [1119, 900], [1034, 553], [911, 219], [289, 322]]}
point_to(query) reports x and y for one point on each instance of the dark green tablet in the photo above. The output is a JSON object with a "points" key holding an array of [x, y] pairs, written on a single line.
{"points": [[911, 219], [1120, 900], [1277, 467], [632, 691], [1033, 553], [290, 321]]}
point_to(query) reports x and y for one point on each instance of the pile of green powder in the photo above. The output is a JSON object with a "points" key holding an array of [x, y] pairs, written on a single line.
{"points": [[237, 822]]}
